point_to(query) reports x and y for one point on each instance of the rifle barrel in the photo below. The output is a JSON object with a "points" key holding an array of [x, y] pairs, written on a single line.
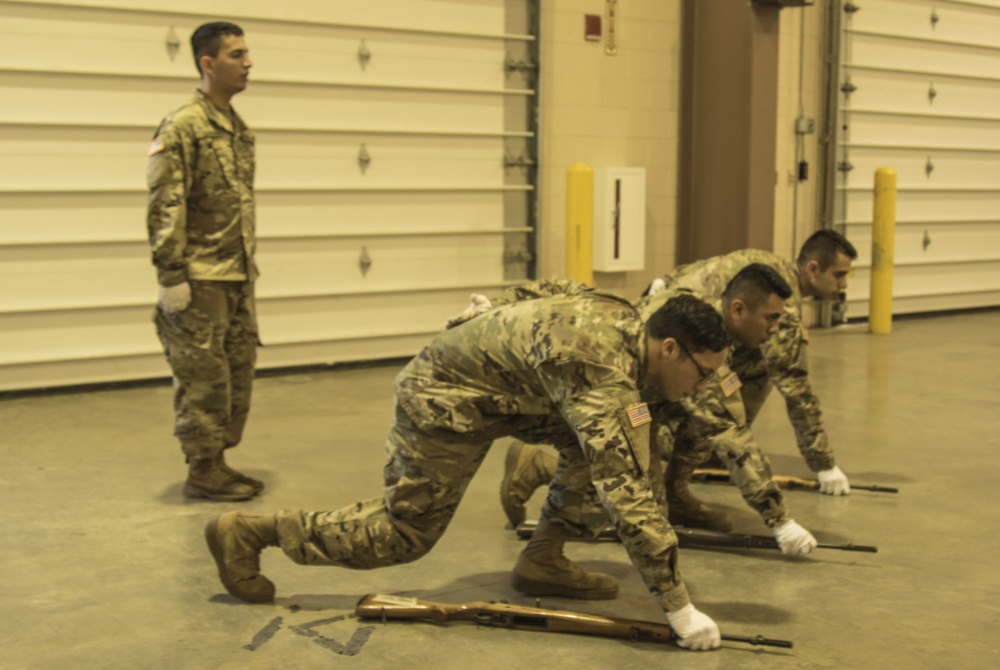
{"points": [[850, 547], [874, 487], [504, 615], [710, 475], [758, 640]]}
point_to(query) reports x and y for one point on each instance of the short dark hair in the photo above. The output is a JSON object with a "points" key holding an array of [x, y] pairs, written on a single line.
{"points": [[754, 284], [692, 322], [207, 38], [823, 246]]}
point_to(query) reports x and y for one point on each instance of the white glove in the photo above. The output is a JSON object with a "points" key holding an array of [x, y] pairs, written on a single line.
{"points": [[479, 304], [175, 298], [793, 539], [833, 482], [695, 630], [656, 286]]}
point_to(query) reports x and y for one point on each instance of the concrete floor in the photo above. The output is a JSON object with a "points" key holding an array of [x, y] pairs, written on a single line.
{"points": [[105, 566]]}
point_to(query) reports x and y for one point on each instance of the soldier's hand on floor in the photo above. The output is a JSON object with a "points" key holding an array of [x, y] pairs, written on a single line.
{"points": [[175, 298], [833, 482], [793, 539], [695, 629], [478, 304]]}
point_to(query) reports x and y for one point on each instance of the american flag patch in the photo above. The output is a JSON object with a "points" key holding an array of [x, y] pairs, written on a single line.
{"points": [[731, 384], [639, 414], [156, 146]]}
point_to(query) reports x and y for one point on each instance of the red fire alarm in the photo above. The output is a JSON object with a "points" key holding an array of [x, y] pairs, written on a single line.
{"points": [[592, 28]]}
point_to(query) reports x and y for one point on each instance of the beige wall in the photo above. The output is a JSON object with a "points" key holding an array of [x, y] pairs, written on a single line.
{"points": [[607, 110], [611, 110]]}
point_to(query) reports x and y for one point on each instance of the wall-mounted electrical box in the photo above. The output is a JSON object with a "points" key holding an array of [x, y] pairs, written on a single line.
{"points": [[619, 219]]}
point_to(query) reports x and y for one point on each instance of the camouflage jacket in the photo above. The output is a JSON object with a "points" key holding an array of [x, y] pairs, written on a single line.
{"points": [[561, 357], [200, 216], [712, 417], [784, 358]]}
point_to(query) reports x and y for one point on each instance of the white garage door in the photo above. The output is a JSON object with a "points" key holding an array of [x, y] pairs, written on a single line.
{"points": [[920, 83], [393, 176]]}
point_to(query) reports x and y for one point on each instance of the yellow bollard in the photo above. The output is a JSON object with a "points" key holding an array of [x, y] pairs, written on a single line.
{"points": [[580, 223], [883, 242]]}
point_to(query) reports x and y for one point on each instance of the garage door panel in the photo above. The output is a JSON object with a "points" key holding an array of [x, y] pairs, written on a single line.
{"points": [[935, 242], [64, 158], [927, 279], [891, 91], [919, 206], [899, 130], [307, 159], [357, 316], [71, 277], [321, 54], [71, 218], [316, 107], [57, 98], [336, 213], [67, 335], [320, 266], [97, 42], [948, 169], [478, 16], [965, 22], [888, 52]]}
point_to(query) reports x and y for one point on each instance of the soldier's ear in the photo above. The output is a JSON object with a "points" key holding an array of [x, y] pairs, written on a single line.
{"points": [[737, 309], [207, 64]]}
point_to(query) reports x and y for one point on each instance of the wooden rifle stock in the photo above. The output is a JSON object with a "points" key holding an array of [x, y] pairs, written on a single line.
{"points": [[692, 537], [504, 615], [712, 475]]}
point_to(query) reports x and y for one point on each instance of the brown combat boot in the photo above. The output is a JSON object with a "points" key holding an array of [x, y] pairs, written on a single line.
{"points": [[525, 470], [207, 479], [236, 540], [684, 509], [543, 570], [255, 484]]}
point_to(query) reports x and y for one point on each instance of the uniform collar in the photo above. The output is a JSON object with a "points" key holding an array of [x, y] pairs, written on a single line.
{"points": [[229, 122]]}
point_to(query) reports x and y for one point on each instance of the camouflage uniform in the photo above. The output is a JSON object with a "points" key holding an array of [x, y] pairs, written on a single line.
{"points": [[552, 362], [718, 418], [201, 230]]}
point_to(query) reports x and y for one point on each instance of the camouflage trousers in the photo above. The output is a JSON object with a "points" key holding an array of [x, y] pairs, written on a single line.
{"points": [[212, 350], [689, 441], [425, 479]]}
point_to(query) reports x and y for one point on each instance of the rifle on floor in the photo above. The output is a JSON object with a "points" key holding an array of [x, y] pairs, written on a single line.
{"points": [[693, 537], [504, 615], [711, 475]]}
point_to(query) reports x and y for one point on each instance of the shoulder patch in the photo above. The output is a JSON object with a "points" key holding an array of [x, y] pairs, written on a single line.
{"points": [[156, 146], [731, 384], [639, 414]]}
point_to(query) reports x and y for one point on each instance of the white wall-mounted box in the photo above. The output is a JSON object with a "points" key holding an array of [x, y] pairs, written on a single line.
{"points": [[619, 219]]}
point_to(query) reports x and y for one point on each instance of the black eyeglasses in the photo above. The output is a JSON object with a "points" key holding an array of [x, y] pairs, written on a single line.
{"points": [[705, 374]]}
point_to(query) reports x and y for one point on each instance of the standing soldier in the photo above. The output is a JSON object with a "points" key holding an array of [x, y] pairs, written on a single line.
{"points": [[721, 415], [201, 230], [552, 362]]}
